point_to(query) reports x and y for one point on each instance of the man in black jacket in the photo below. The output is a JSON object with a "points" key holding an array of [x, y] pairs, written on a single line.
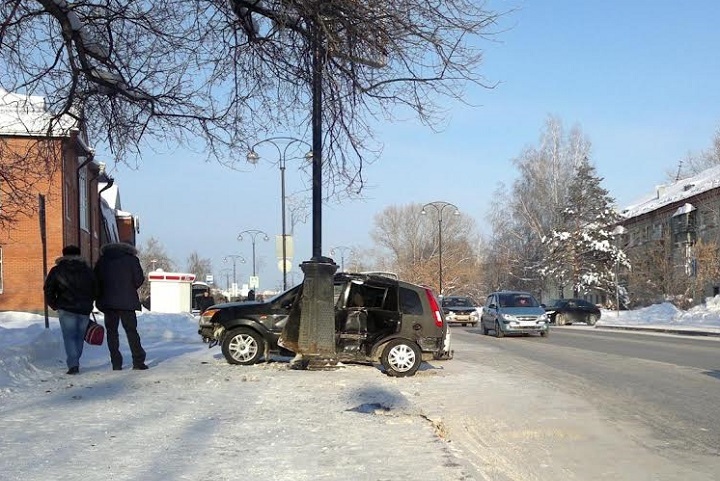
{"points": [[119, 276], [70, 290]]}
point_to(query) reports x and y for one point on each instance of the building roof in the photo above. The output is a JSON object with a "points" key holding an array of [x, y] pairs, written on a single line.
{"points": [[27, 115], [677, 191]]}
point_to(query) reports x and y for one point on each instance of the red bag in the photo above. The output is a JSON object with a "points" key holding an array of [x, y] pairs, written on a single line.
{"points": [[95, 333]]}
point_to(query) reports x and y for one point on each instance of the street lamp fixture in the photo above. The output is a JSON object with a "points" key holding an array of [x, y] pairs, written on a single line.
{"points": [[440, 206], [252, 234], [253, 158], [234, 258], [342, 250]]}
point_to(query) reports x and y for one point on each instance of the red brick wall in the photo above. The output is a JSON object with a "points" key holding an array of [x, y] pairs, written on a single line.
{"points": [[23, 275]]}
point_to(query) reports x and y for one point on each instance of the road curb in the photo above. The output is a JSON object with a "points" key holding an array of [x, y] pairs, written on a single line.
{"points": [[666, 330]]}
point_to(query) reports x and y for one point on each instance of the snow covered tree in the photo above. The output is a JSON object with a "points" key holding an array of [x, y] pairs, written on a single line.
{"points": [[522, 215], [582, 252]]}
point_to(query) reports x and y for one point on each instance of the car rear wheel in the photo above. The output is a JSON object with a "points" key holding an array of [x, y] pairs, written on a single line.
{"points": [[560, 320], [498, 332], [592, 319], [401, 358], [243, 346]]}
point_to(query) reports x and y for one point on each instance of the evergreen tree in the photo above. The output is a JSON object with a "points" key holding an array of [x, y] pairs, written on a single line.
{"points": [[582, 251]]}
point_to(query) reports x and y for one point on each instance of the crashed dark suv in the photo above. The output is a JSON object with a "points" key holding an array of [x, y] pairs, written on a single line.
{"points": [[377, 319]]}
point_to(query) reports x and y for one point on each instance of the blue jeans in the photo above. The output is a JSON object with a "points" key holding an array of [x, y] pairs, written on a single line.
{"points": [[73, 327]]}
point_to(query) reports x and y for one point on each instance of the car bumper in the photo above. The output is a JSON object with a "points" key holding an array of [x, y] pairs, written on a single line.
{"points": [[524, 328], [461, 319]]}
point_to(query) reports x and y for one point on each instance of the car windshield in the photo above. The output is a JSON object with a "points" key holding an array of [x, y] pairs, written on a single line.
{"points": [[457, 302], [517, 300]]}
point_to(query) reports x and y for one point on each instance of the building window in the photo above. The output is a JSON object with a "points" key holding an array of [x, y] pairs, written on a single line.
{"points": [[1, 270], [83, 198], [683, 228]]}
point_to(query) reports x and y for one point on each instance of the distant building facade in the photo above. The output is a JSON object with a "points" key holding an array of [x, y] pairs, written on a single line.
{"points": [[672, 237]]}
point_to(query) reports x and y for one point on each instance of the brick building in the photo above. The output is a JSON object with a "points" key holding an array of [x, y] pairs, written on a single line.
{"points": [[71, 184]]}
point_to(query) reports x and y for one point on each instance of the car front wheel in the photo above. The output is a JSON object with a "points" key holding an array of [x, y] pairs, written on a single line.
{"points": [[401, 358], [243, 346], [560, 320], [592, 319], [498, 332]]}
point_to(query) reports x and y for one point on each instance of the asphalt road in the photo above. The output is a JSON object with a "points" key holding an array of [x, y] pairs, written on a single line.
{"points": [[663, 390]]}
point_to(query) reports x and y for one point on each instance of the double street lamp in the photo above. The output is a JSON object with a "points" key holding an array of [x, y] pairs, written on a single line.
{"points": [[342, 250], [252, 234], [253, 158], [440, 206], [234, 258]]}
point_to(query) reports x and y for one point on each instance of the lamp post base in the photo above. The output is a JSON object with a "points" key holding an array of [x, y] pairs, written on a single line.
{"points": [[316, 333], [310, 328]]}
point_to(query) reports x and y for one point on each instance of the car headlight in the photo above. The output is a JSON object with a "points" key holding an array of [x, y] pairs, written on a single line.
{"points": [[474, 316], [509, 318], [543, 318]]}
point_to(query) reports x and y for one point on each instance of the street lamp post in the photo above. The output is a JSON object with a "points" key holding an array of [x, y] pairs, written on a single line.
{"points": [[342, 250], [253, 158], [253, 233], [226, 273], [234, 258], [440, 206]]}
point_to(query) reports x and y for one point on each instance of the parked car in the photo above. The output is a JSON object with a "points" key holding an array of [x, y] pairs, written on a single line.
{"points": [[460, 310], [566, 311], [513, 312], [377, 319]]}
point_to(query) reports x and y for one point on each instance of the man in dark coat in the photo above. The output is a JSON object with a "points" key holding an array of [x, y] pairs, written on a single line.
{"points": [[119, 276], [70, 290], [205, 301]]}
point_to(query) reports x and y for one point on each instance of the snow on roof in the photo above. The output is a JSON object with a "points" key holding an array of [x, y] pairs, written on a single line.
{"points": [[27, 115], [677, 191]]}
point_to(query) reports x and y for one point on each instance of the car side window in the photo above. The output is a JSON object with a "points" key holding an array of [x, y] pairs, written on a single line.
{"points": [[410, 302]]}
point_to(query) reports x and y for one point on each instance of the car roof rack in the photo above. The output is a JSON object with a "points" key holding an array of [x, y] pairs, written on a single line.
{"points": [[390, 275]]}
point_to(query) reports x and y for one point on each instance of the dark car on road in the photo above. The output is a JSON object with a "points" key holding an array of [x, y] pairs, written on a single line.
{"points": [[377, 319], [563, 312], [460, 310]]}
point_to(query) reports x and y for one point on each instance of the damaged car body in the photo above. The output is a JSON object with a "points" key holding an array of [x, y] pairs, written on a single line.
{"points": [[377, 319]]}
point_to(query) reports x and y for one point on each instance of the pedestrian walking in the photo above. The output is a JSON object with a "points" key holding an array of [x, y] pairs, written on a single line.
{"points": [[70, 290], [205, 301], [119, 276]]}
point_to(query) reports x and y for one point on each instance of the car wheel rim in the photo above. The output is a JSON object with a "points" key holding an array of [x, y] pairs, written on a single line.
{"points": [[243, 347], [401, 358]]}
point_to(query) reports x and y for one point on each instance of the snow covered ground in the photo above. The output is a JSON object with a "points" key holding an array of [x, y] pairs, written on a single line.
{"points": [[192, 416]]}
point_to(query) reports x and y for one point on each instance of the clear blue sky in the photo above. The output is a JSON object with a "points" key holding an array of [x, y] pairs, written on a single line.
{"points": [[639, 77]]}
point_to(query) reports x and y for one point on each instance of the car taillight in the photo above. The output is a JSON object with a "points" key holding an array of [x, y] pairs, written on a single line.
{"points": [[434, 306]]}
